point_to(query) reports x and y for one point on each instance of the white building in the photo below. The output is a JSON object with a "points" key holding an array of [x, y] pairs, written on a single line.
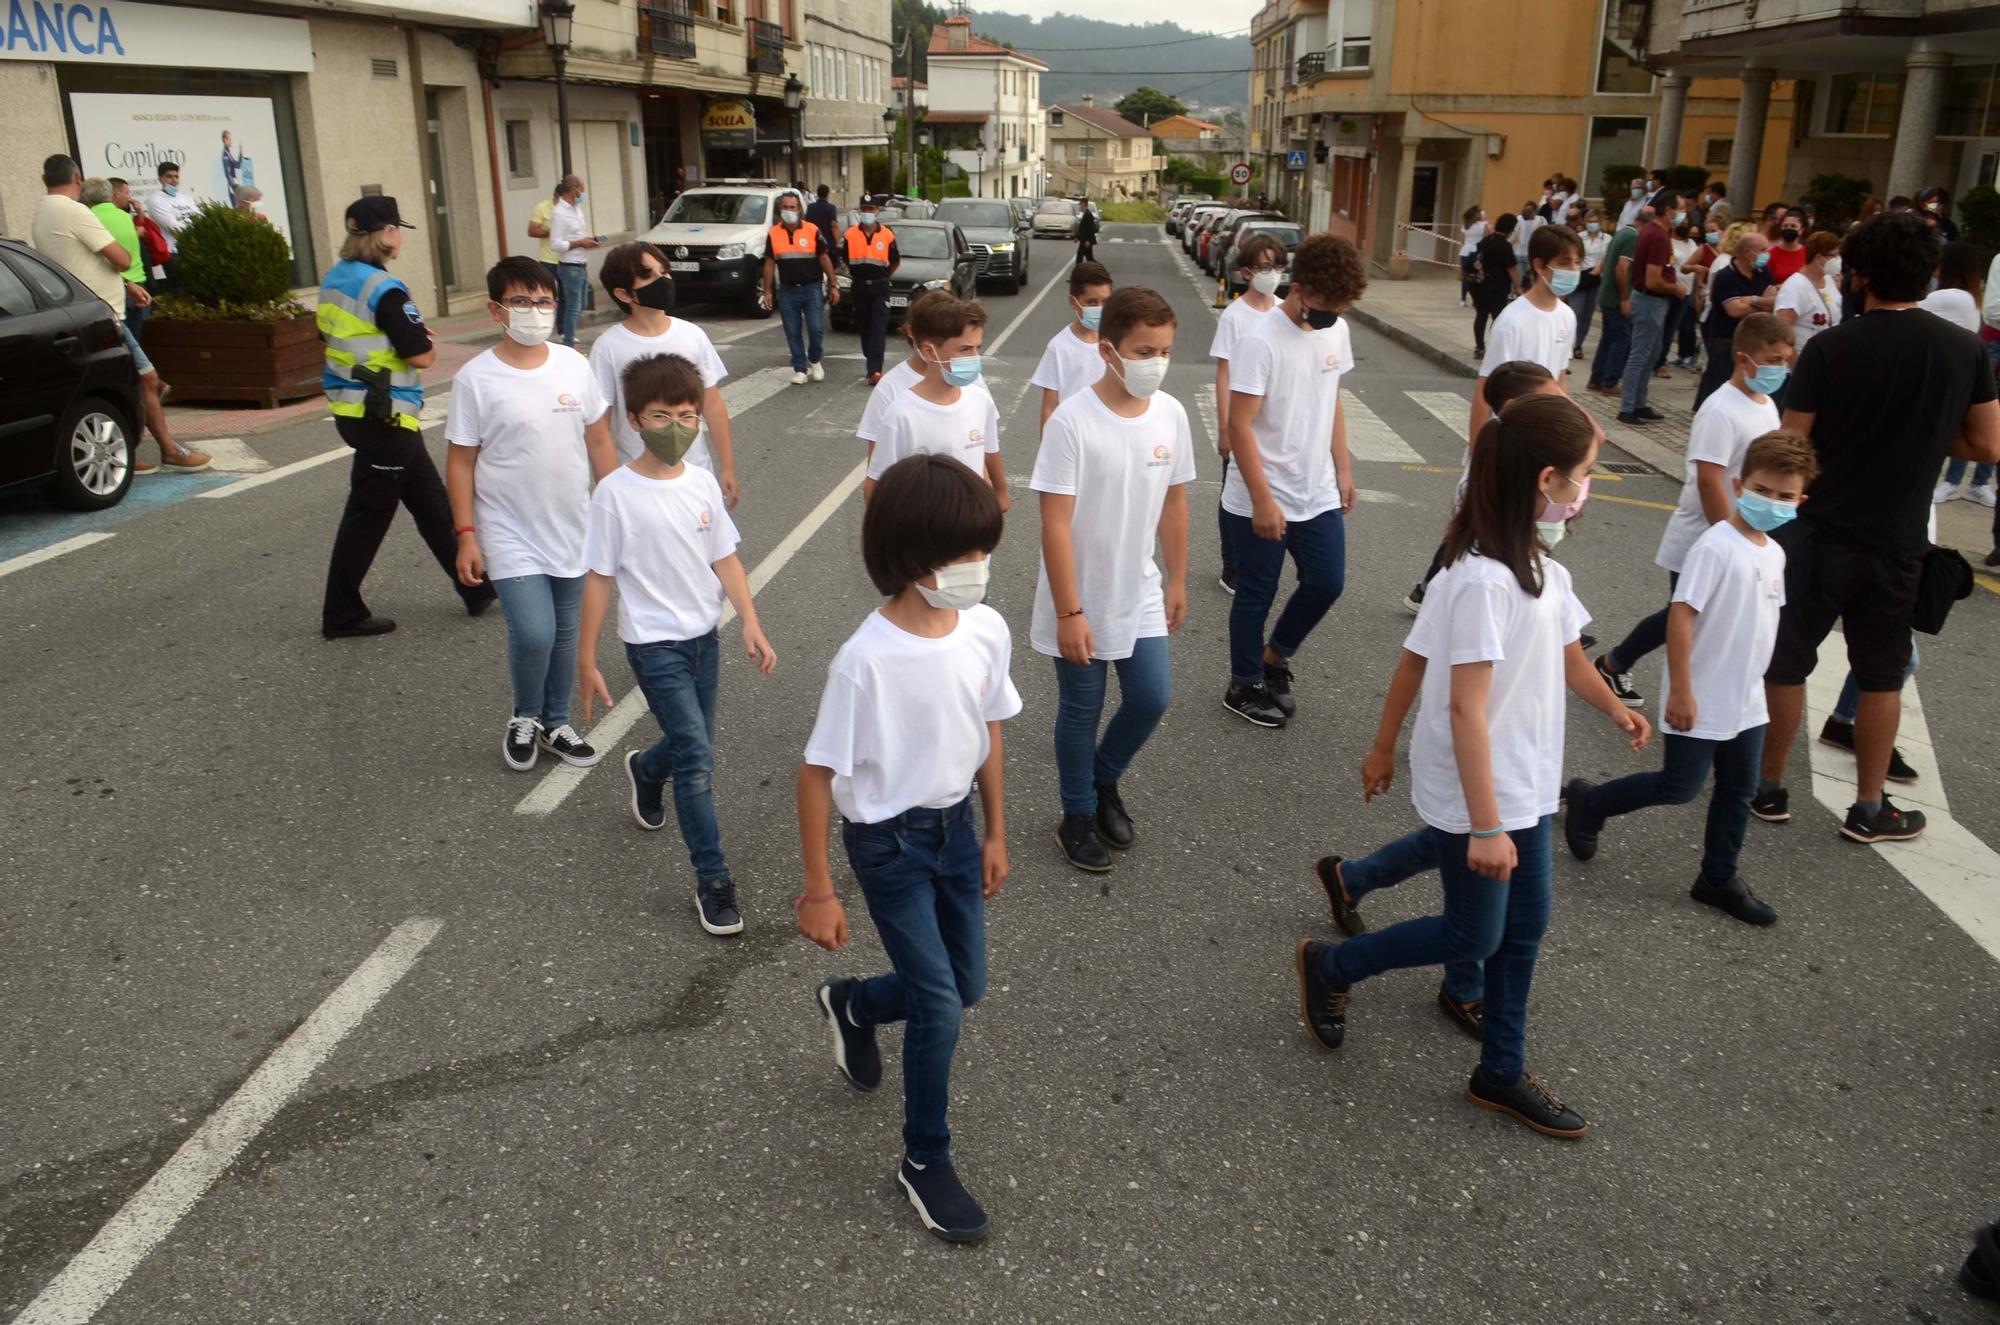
{"points": [[847, 59], [986, 111]]}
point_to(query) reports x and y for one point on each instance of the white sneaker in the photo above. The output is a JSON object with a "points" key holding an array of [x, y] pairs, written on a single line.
{"points": [[817, 372], [798, 379], [1984, 496], [1943, 492]]}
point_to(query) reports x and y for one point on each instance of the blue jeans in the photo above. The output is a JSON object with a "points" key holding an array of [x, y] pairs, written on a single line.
{"points": [[800, 307], [920, 875], [1319, 555], [678, 678], [1849, 702], [1583, 302], [542, 612], [1484, 920], [572, 279], [1405, 858], [1688, 759], [1954, 470], [1083, 762], [1614, 346], [1649, 330]]}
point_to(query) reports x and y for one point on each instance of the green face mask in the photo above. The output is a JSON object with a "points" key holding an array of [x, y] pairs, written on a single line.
{"points": [[671, 442]]}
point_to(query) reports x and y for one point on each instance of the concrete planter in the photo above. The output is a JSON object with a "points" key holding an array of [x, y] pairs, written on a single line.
{"points": [[265, 363]]}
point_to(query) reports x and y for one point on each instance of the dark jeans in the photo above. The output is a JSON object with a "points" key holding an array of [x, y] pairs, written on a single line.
{"points": [[572, 280], [1649, 634], [1222, 525], [1687, 330], [1484, 920], [1614, 344], [556, 277], [1084, 761], [391, 465], [871, 320], [1405, 858], [1715, 374], [678, 678], [1583, 302], [1688, 759], [802, 309], [1319, 554], [920, 875], [1465, 282], [1649, 329]]}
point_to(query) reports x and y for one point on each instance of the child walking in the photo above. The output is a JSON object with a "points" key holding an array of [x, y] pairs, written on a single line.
{"points": [[910, 716], [528, 433], [1720, 632], [1486, 759], [1261, 259], [1113, 472], [659, 530], [904, 374], [948, 412], [1070, 362]]}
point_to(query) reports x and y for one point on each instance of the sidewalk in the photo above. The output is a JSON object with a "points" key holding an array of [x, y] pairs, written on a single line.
{"points": [[1423, 315]]}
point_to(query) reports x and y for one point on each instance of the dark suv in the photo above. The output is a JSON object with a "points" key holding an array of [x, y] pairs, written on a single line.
{"points": [[996, 238]]}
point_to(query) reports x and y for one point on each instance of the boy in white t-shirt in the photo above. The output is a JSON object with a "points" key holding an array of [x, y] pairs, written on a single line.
{"points": [[1113, 471], [903, 375], [948, 412], [528, 433], [910, 717], [1261, 260], [659, 530], [1070, 362], [1720, 632], [636, 277], [1725, 425]]}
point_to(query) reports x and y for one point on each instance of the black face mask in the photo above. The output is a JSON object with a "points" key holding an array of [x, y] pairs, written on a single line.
{"points": [[657, 295], [1789, 235], [1319, 319]]}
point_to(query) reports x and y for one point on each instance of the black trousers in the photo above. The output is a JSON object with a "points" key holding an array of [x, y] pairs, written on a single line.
{"points": [[871, 319], [391, 466]]}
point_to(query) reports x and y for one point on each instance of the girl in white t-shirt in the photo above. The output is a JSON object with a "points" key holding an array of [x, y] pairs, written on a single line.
{"points": [[1807, 302], [1474, 226], [909, 718], [1501, 625]]}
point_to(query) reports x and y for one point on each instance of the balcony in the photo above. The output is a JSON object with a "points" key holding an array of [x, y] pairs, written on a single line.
{"points": [[667, 29], [767, 47], [1311, 66]]}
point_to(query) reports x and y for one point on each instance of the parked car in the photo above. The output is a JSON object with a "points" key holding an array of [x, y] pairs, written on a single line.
{"points": [[918, 209], [1177, 212], [715, 236], [1024, 212], [1057, 218], [933, 255], [69, 391], [1218, 233], [988, 224], [1289, 233], [1200, 216]]}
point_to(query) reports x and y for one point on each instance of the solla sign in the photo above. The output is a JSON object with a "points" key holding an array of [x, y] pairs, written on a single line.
{"points": [[53, 30]]}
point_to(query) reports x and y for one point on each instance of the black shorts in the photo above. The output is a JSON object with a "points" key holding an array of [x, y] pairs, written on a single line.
{"points": [[1871, 594]]}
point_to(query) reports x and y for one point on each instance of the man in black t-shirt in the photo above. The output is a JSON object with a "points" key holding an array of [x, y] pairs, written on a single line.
{"points": [[1885, 397], [1741, 288]]}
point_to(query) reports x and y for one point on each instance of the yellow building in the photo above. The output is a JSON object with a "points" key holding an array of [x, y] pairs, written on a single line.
{"points": [[1098, 153]]}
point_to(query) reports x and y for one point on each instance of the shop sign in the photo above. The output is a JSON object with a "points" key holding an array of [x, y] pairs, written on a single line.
{"points": [[729, 125], [1351, 135], [116, 32]]}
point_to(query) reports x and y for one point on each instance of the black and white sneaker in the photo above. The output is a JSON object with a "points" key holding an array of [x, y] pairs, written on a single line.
{"points": [[1413, 601], [1621, 684], [1228, 581], [941, 1200], [1773, 807], [1278, 680], [649, 801], [855, 1052], [569, 747], [519, 746], [1253, 704], [1887, 824], [715, 903]]}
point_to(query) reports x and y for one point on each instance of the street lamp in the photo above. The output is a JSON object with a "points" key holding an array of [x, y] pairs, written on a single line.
{"points": [[795, 98], [557, 16], [917, 164], [888, 137]]}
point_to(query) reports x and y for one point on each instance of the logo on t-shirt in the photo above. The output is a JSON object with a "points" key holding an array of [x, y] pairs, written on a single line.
{"points": [[975, 436], [1161, 455], [568, 404], [705, 517], [1332, 362]]}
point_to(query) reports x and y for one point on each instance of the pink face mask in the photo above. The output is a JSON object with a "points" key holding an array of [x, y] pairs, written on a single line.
{"points": [[1562, 512]]}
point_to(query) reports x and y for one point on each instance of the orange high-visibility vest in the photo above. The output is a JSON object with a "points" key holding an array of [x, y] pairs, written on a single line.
{"points": [[800, 243], [868, 258]]}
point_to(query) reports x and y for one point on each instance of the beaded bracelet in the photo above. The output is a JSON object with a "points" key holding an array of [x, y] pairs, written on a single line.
{"points": [[1488, 832]]}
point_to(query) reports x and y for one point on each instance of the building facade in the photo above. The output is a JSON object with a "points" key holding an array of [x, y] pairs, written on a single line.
{"points": [[847, 59], [986, 111], [1098, 153]]}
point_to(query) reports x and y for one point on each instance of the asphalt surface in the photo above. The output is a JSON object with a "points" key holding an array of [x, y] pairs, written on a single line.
{"points": [[576, 1105]]}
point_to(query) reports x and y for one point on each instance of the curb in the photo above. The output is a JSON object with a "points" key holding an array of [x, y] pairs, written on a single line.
{"points": [[1415, 344]]}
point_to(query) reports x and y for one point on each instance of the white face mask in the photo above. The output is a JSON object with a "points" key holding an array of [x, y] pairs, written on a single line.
{"points": [[1142, 377], [961, 585], [788, 216], [530, 326], [1551, 532], [1266, 282]]}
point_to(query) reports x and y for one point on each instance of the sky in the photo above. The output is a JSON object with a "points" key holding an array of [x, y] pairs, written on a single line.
{"points": [[1194, 15]]}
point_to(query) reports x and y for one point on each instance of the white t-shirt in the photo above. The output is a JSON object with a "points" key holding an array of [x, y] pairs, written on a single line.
{"points": [[1297, 371], [1473, 234], [1068, 364], [1475, 611], [620, 346], [661, 538], [1954, 306], [1728, 421], [1736, 589], [531, 488], [1523, 331], [1235, 323], [902, 721], [1118, 470], [894, 383], [70, 235], [1524, 229], [967, 430], [1815, 311], [171, 212], [1594, 248]]}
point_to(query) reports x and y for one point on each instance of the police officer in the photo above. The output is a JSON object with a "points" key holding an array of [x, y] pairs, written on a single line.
{"points": [[376, 341], [798, 267], [869, 250]]}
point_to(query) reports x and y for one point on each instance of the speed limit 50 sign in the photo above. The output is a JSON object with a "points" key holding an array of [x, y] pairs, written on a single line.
{"points": [[1239, 173]]}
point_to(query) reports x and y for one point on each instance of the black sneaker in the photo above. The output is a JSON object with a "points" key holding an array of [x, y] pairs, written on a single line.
{"points": [[366, 626], [1580, 826], [1253, 704], [478, 600], [1992, 558], [1114, 826], [1321, 1002], [1278, 680], [1734, 899], [715, 903], [941, 1200], [1630, 420], [519, 746], [1468, 1017], [649, 802], [1227, 580], [1413, 601], [1647, 414], [569, 747], [1620, 683], [1529, 1101], [1077, 836], [1346, 911], [1773, 807], [855, 1052], [1887, 824], [1840, 735]]}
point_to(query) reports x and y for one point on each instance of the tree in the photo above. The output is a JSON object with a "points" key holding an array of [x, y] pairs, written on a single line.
{"points": [[1143, 105]]}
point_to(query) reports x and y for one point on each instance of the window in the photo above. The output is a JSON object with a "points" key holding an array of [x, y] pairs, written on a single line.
{"points": [[1613, 139], [520, 151], [52, 283], [1348, 25], [15, 301], [1715, 152], [1083, 151], [1624, 40], [1969, 111], [1862, 105]]}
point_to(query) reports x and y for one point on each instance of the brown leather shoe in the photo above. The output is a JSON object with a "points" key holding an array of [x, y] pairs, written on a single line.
{"points": [[144, 466], [183, 461]]}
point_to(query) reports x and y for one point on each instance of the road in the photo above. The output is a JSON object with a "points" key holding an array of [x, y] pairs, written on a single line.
{"points": [[563, 1101]]}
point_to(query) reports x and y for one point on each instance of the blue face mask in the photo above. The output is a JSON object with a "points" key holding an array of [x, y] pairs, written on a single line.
{"points": [[1564, 283], [171, 190], [1713, 236], [1763, 260], [963, 370], [1768, 378], [1090, 317], [1763, 514], [1594, 227]]}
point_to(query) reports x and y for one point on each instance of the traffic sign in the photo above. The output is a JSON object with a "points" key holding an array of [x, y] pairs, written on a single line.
{"points": [[1239, 173], [1295, 159]]}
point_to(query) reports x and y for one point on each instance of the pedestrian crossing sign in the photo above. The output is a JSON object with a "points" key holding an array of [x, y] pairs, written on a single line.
{"points": [[1295, 159]]}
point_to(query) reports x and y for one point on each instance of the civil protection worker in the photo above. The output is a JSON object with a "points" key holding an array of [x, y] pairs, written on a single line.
{"points": [[376, 341], [798, 268], [869, 250]]}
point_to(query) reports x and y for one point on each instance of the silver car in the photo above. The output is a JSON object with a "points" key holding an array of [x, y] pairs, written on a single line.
{"points": [[1057, 217]]}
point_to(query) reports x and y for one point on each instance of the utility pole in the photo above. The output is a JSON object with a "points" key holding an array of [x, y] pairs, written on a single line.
{"points": [[909, 110]]}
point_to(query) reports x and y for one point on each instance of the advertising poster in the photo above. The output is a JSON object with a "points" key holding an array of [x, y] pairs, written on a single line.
{"points": [[223, 145]]}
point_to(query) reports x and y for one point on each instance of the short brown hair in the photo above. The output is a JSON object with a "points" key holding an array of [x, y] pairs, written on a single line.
{"points": [[1760, 331], [627, 263], [945, 319], [1551, 242], [660, 379], [1329, 267], [1257, 245], [1131, 307], [926, 511], [1782, 452], [928, 299], [1086, 274], [1820, 243]]}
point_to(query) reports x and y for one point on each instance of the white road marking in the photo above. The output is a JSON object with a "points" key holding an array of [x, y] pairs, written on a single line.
{"points": [[560, 781], [771, 324], [1368, 438], [272, 476], [743, 394], [1204, 405], [1447, 407], [50, 553], [1948, 864], [98, 1271], [231, 455]]}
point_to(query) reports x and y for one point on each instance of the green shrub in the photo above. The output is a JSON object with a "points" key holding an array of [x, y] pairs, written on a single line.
{"points": [[1979, 219], [1617, 182], [1836, 199], [1687, 180], [228, 257]]}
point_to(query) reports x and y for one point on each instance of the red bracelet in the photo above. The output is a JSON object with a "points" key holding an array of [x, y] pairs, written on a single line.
{"points": [[463, 529]]}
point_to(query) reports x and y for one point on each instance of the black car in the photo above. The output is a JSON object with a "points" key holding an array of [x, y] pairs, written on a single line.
{"points": [[934, 256], [995, 237], [69, 391]]}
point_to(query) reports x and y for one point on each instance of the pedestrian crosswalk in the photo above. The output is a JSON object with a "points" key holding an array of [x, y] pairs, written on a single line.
{"points": [[1447, 407], [1368, 438]]}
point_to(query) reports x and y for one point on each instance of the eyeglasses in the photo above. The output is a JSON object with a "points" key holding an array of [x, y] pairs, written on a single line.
{"points": [[1264, 267], [521, 303], [687, 418]]}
